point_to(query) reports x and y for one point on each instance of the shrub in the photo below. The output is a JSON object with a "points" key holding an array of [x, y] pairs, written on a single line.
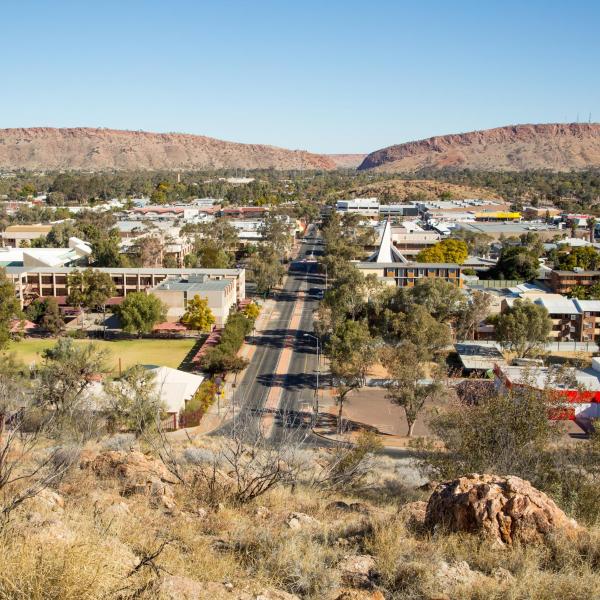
{"points": [[199, 456], [223, 357], [120, 441], [203, 398]]}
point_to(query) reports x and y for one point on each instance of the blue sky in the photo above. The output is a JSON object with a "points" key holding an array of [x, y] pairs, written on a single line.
{"points": [[328, 76]]}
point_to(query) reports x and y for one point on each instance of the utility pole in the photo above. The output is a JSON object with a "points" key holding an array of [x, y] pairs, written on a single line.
{"points": [[233, 400]]}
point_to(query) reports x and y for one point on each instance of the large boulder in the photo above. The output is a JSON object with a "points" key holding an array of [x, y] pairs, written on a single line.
{"points": [[505, 509], [136, 473], [129, 466]]}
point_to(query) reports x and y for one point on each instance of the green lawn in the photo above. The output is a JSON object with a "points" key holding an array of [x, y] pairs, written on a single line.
{"points": [[162, 352]]}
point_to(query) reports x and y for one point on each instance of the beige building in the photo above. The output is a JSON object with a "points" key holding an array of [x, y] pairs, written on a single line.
{"points": [[14, 235], [176, 293]]}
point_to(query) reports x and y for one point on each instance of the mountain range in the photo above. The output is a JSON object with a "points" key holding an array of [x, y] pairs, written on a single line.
{"points": [[557, 147], [88, 149]]}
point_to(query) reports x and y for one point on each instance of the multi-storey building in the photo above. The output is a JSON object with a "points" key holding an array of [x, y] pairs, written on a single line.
{"points": [[407, 274], [573, 320], [36, 282], [392, 267], [220, 295], [561, 282]]}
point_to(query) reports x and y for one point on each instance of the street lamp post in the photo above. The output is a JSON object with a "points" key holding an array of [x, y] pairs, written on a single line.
{"points": [[233, 400], [316, 409]]}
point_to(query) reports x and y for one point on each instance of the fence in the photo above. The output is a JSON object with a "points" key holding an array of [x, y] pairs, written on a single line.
{"points": [[495, 283]]}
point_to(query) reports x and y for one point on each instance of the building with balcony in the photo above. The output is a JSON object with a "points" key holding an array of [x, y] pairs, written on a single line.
{"points": [[561, 282]]}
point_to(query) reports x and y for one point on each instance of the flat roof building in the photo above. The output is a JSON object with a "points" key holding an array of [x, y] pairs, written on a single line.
{"points": [[77, 253], [177, 292], [15, 235], [31, 283]]}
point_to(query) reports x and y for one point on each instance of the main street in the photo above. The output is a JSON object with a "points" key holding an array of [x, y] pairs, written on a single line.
{"points": [[278, 388]]}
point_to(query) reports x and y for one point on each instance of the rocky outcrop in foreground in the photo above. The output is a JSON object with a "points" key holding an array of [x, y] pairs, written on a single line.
{"points": [[88, 149], [554, 146], [505, 509]]}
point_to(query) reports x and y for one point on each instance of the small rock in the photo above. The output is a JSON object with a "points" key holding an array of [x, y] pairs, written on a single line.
{"points": [[460, 573], [51, 499], [355, 507], [118, 509], [414, 514], [358, 570], [298, 520], [262, 512]]}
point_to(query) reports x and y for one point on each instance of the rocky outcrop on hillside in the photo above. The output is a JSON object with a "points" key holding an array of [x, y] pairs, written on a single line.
{"points": [[558, 147], [401, 190], [504, 509], [88, 149]]}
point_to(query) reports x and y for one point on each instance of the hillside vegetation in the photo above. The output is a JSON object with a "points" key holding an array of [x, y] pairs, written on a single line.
{"points": [[87, 149], [555, 146], [418, 189]]}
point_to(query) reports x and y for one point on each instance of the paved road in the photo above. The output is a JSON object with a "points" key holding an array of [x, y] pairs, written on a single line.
{"points": [[299, 382]]}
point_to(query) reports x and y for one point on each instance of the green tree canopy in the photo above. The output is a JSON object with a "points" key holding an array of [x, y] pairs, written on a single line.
{"points": [[10, 308], [140, 312], [582, 257], [133, 400], [523, 328], [406, 386], [90, 288], [516, 262]]}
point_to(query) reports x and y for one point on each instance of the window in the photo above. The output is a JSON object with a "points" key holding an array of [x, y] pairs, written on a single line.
{"points": [[573, 317]]}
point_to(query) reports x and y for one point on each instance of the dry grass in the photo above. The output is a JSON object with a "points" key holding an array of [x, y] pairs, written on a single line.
{"points": [[89, 549]]}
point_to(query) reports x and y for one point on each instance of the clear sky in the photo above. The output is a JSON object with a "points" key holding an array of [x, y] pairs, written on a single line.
{"points": [[326, 76]]}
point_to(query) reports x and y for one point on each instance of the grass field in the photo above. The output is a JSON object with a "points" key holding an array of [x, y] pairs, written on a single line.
{"points": [[162, 352]]}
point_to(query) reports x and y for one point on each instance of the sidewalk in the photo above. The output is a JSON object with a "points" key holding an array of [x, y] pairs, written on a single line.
{"points": [[221, 411], [369, 409]]}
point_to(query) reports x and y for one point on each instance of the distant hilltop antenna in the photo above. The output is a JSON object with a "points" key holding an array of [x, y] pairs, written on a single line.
{"points": [[590, 118], [577, 118]]}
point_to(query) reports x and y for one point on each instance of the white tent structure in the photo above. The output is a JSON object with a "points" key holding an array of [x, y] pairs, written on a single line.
{"points": [[387, 253], [175, 387]]}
